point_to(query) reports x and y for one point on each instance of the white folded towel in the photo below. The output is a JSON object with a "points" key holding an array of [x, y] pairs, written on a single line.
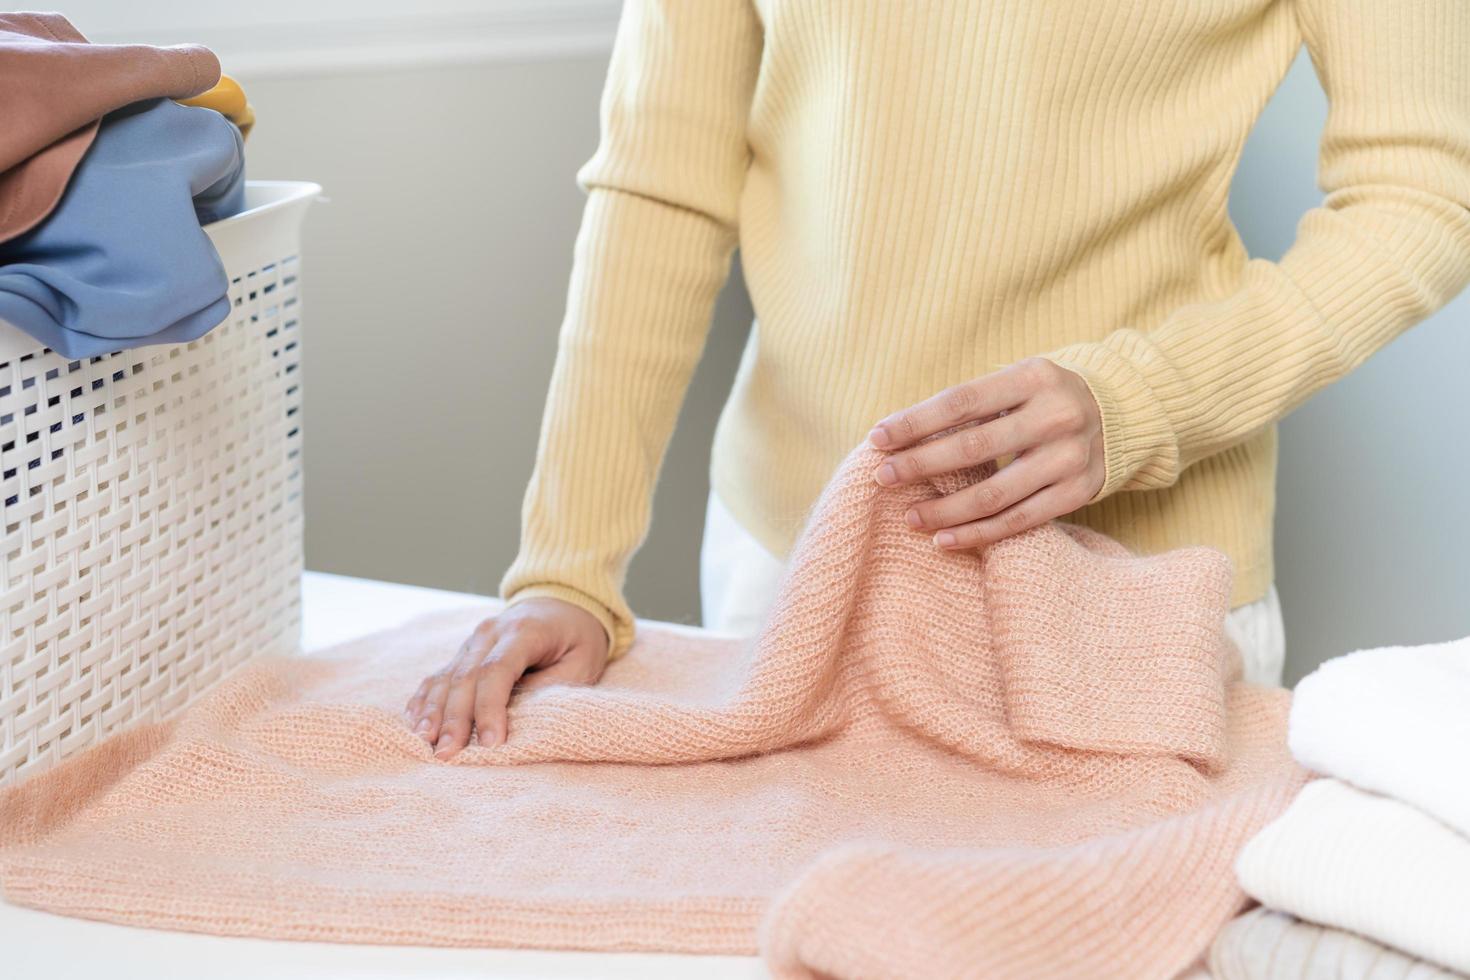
{"points": [[1264, 944], [1395, 720], [1353, 860]]}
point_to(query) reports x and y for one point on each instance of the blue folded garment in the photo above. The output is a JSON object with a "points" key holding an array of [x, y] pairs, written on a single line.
{"points": [[122, 262]]}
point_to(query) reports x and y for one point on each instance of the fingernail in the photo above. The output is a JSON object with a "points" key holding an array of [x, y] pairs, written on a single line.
{"points": [[422, 726], [886, 475], [944, 539], [878, 437], [912, 519]]}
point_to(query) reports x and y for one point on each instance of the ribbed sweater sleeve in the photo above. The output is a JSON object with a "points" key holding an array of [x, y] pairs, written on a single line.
{"points": [[1389, 245], [654, 248]]}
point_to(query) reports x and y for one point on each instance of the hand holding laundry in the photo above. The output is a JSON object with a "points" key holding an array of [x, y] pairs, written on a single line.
{"points": [[529, 645], [1042, 414]]}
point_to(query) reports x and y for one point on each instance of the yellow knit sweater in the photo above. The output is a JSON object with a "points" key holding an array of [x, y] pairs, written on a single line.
{"points": [[926, 190]]}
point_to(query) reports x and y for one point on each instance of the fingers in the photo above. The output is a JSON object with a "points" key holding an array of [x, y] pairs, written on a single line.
{"points": [[413, 712], [1026, 475], [977, 399], [418, 714], [1040, 507], [434, 690], [968, 447], [459, 710], [425, 711], [558, 642], [513, 653]]}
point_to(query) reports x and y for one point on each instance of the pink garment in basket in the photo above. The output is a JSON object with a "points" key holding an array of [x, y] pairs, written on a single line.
{"points": [[1029, 762]]}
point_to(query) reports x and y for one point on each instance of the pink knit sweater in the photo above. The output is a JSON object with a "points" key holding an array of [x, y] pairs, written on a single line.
{"points": [[1029, 762]]}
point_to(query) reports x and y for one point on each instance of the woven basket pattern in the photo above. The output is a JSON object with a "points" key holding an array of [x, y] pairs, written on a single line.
{"points": [[152, 523]]}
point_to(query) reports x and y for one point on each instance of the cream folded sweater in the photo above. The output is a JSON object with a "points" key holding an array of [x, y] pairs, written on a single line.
{"points": [[1267, 945], [1395, 720], [923, 192], [1353, 860]]}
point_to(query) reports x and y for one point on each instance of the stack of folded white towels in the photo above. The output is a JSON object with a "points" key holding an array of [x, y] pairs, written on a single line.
{"points": [[1367, 873]]}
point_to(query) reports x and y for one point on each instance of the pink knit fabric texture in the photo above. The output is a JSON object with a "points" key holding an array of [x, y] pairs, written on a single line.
{"points": [[1032, 761]]}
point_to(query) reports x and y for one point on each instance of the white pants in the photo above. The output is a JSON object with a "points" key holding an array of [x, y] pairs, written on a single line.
{"points": [[738, 579]]}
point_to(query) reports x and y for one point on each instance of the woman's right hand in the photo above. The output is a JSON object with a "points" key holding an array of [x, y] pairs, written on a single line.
{"points": [[530, 644]]}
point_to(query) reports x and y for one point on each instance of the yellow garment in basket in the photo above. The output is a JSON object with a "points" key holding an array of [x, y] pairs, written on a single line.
{"points": [[228, 99]]}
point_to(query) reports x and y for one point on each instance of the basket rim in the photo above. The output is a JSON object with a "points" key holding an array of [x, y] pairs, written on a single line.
{"points": [[262, 197]]}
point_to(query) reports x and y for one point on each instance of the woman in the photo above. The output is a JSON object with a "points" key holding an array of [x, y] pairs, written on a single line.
{"points": [[1005, 213]]}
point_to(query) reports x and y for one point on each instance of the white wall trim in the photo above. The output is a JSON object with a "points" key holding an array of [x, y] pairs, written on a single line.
{"points": [[507, 30]]}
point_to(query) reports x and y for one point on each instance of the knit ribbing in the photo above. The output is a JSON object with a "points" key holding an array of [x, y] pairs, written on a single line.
{"points": [[1369, 864], [1266, 945], [925, 192], [1032, 762]]}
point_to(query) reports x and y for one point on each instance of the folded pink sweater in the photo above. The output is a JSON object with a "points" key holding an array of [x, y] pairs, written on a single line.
{"points": [[1032, 761]]}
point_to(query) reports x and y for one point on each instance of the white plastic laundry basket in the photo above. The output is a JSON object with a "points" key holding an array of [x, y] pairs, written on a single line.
{"points": [[152, 505]]}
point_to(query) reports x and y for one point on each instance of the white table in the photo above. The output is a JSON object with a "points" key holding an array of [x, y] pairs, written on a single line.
{"points": [[336, 608]]}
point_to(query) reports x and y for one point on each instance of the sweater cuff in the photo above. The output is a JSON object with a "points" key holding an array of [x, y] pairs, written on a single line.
{"points": [[1140, 451], [619, 631]]}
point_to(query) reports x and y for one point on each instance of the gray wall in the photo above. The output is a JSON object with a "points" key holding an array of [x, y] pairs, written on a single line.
{"points": [[1372, 542], [436, 281]]}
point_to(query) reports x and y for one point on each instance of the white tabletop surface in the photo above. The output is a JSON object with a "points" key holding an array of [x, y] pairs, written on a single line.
{"points": [[336, 608]]}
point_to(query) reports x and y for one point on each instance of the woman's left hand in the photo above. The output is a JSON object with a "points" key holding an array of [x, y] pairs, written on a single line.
{"points": [[1034, 410]]}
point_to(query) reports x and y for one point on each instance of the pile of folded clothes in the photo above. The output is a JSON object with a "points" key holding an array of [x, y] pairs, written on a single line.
{"points": [[105, 182], [1367, 873]]}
